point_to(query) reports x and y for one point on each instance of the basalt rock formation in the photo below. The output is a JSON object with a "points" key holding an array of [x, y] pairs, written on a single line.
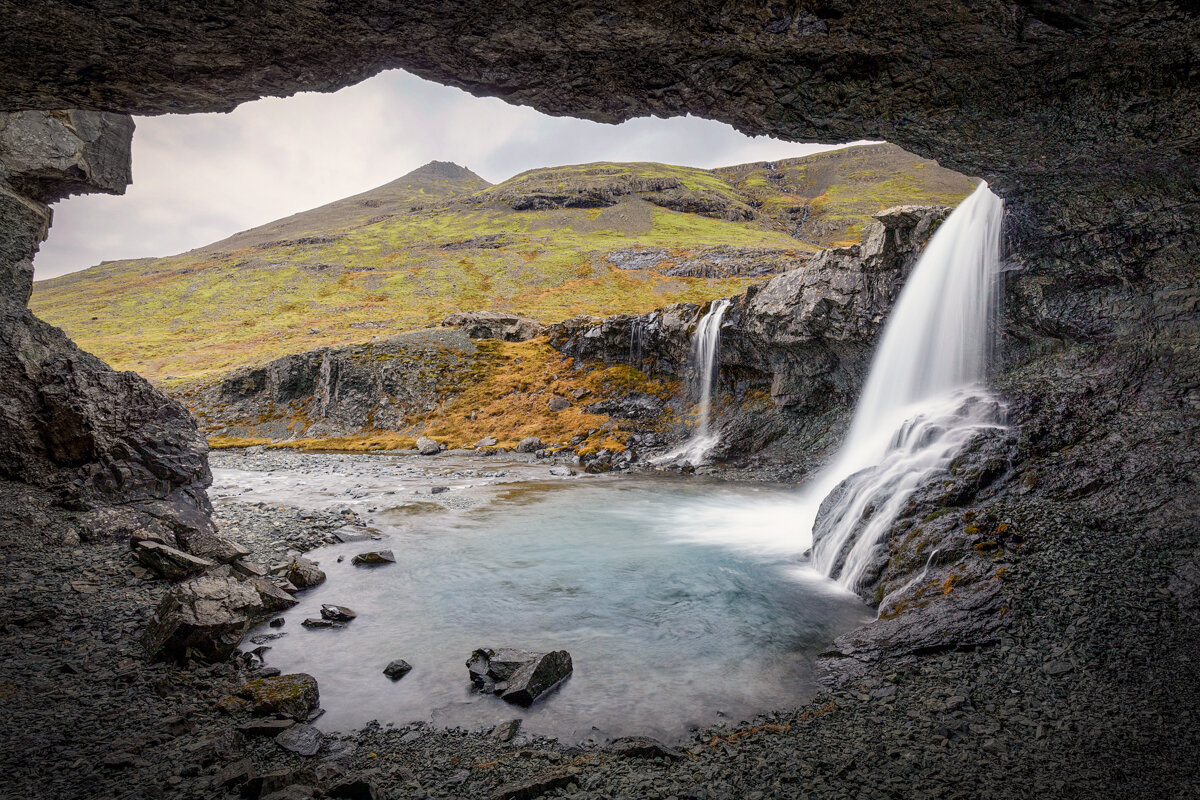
{"points": [[104, 445]]}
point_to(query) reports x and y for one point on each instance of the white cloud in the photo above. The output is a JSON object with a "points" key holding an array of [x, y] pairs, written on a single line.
{"points": [[199, 178]]}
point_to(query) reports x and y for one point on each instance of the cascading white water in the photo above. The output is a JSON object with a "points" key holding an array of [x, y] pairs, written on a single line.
{"points": [[923, 399], [706, 350]]}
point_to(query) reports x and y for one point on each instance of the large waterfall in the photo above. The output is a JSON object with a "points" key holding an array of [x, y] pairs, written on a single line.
{"points": [[924, 397], [706, 351]]}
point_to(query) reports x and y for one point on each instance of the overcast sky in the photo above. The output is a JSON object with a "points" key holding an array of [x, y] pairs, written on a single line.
{"points": [[201, 177]]}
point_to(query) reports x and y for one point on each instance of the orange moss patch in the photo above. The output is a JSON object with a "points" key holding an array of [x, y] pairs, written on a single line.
{"points": [[948, 585], [226, 442], [508, 396]]}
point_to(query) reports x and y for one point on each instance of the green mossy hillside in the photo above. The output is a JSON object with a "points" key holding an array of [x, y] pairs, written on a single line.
{"points": [[441, 240]]}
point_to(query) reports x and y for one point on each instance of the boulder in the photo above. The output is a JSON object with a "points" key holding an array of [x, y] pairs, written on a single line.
{"points": [[303, 740], [304, 574], [428, 447], [169, 563], [273, 598], [521, 677], [397, 669], [530, 444], [204, 617], [488, 666], [295, 696], [317, 622], [487, 441], [557, 403], [374, 558], [213, 547], [537, 678], [337, 613]]}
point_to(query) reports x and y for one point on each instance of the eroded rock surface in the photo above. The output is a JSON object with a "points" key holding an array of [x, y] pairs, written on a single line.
{"points": [[92, 438]]}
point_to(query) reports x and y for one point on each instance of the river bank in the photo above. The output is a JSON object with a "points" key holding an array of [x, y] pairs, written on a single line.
{"points": [[1091, 690]]}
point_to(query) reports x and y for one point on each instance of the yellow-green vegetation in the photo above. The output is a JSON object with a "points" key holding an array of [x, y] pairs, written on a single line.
{"points": [[441, 240], [831, 196]]}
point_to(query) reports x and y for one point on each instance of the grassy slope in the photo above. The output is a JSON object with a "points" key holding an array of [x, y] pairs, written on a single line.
{"points": [[378, 263]]}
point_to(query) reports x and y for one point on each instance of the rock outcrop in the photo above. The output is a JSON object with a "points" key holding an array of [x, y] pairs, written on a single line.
{"points": [[342, 390], [495, 325], [93, 438]]}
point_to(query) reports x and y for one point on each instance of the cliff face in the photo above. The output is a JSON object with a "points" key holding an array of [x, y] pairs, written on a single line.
{"points": [[103, 444]]}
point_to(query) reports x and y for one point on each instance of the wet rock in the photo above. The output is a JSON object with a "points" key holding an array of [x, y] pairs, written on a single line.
{"points": [[562, 472], [169, 563], [317, 622], [304, 574], [277, 622], [397, 669], [304, 740], [521, 677], [507, 731], [530, 444], [537, 678], [439, 489], [264, 784], [374, 558], [295, 695], [204, 617], [557, 403], [428, 447], [488, 666], [337, 613]]}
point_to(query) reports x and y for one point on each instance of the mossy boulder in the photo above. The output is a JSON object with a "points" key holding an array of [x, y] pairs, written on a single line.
{"points": [[294, 695]]}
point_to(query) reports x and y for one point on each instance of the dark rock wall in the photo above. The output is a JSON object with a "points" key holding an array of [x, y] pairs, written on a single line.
{"points": [[80, 434], [338, 391]]}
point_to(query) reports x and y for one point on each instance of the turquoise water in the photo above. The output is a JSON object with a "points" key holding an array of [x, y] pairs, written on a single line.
{"points": [[667, 631]]}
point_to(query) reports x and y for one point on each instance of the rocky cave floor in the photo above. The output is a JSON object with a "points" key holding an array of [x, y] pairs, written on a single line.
{"points": [[1091, 692]]}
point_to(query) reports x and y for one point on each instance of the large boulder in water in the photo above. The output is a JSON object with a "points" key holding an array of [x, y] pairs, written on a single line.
{"points": [[538, 677], [428, 447], [203, 618], [519, 676]]}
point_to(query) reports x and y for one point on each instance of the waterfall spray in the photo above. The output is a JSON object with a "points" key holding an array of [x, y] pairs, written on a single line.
{"points": [[923, 399], [705, 364]]}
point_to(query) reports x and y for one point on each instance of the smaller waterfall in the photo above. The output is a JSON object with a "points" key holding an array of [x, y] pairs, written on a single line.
{"points": [[704, 363]]}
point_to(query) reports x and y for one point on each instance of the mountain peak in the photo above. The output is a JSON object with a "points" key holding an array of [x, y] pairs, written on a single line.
{"points": [[441, 170]]}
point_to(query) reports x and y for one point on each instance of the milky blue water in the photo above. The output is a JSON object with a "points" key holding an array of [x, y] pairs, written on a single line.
{"points": [[670, 626]]}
